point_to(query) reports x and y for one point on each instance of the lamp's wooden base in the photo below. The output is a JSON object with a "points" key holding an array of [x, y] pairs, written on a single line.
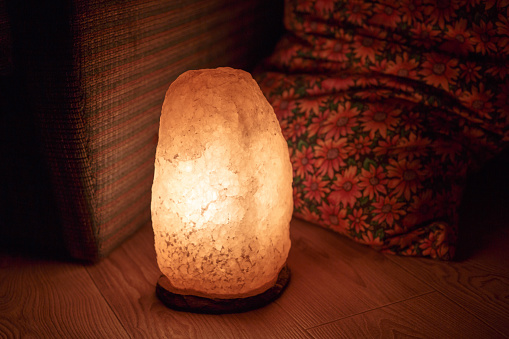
{"points": [[191, 303]]}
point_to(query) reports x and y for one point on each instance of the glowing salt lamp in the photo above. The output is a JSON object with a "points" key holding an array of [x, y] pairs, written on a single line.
{"points": [[222, 195]]}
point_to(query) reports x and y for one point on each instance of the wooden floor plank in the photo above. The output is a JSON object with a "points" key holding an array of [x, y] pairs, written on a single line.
{"points": [[333, 277], [428, 316], [337, 288], [478, 284], [127, 280], [47, 299]]}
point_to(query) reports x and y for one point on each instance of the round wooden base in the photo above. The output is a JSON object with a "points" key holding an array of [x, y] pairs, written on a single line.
{"points": [[191, 303]]}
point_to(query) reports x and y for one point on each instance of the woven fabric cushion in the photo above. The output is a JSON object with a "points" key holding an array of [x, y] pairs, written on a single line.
{"points": [[98, 73], [386, 108]]}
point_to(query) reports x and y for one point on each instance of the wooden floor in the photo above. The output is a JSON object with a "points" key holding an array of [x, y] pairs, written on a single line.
{"points": [[338, 289]]}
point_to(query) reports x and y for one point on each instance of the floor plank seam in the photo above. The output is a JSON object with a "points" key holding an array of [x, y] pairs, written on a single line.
{"points": [[290, 315], [445, 294], [471, 313], [371, 309], [311, 334], [108, 303], [410, 272]]}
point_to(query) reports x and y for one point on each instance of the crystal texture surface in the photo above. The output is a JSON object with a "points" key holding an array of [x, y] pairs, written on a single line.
{"points": [[222, 190]]}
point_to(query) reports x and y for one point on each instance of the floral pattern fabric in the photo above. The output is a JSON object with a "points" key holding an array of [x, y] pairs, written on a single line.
{"points": [[386, 107]]}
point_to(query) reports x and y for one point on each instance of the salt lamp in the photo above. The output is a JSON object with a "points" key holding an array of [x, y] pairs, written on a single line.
{"points": [[221, 196]]}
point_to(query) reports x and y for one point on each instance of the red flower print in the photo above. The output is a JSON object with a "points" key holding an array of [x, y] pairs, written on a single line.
{"points": [[358, 147], [427, 245], [472, 3], [422, 209], [299, 64], [503, 31], [315, 188], [499, 70], [444, 251], [310, 26], [440, 11], [297, 198], [387, 209], [386, 14], [287, 50], [287, 84], [333, 50], [458, 169], [373, 182], [479, 100], [397, 44], [340, 123], [309, 107], [379, 118], [409, 251], [484, 37], [358, 221], [268, 84], [490, 3], [404, 89], [458, 39], [503, 101], [387, 106], [329, 154], [333, 216], [439, 70], [324, 6], [444, 235], [411, 11], [470, 72], [413, 147], [368, 238], [448, 151], [386, 146], [357, 11], [305, 5], [315, 127], [411, 121], [423, 35], [296, 129], [337, 83], [379, 67], [364, 81], [368, 43], [345, 188], [403, 67], [306, 214], [474, 134], [303, 161], [284, 105], [403, 241], [449, 202], [285, 128], [405, 177], [408, 97], [313, 88]]}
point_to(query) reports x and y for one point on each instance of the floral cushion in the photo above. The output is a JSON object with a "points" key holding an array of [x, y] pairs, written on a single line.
{"points": [[386, 107]]}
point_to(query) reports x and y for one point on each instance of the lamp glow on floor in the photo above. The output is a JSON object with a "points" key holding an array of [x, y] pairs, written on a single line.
{"points": [[222, 195]]}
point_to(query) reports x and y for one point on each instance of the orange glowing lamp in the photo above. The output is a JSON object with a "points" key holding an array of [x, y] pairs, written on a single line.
{"points": [[222, 195]]}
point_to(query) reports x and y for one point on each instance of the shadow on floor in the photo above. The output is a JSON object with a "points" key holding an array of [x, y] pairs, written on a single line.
{"points": [[485, 206]]}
